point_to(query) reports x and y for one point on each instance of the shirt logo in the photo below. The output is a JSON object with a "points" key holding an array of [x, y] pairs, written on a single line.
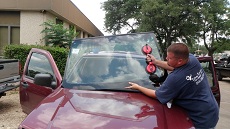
{"points": [[189, 78], [199, 76]]}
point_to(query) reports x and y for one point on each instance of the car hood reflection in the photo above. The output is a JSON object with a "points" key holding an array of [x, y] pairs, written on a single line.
{"points": [[79, 109]]}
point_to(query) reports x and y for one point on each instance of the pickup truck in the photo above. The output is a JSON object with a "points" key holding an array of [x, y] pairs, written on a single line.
{"points": [[92, 93], [9, 75], [223, 69]]}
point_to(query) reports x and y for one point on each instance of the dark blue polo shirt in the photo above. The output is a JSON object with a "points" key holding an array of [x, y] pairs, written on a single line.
{"points": [[189, 88]]}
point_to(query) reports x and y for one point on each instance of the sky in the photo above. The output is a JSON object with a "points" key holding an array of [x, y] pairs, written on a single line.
{"points": [[92, 10]]}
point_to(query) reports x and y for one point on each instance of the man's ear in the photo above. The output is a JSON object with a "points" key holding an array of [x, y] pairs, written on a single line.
{"points": [[180, 61]]}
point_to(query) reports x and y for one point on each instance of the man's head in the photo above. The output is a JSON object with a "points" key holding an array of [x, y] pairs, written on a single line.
{"points": [[177, 54]]}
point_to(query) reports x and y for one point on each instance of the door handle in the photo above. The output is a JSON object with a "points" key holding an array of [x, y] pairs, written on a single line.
{"points": [[25, 85]]}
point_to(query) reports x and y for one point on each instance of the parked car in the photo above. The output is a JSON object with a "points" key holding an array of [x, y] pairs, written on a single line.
{"points": [[223, 70], [9, 75], [92, 93], [223, 60]]}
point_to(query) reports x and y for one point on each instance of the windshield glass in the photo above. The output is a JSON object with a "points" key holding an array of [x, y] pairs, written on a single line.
{"points": [[110, 62]]}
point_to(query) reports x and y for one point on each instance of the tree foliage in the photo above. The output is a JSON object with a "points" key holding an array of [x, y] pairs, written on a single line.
{"points": [[57, 35], [121, 14], [224, 47], [214, 24], [170, 20]]}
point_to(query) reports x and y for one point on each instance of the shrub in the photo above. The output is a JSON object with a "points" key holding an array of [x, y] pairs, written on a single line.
{"points": [[57, 35], [21, 52]]}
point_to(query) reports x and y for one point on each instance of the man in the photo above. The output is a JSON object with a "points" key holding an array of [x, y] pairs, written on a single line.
{"points": [[186, 85]]}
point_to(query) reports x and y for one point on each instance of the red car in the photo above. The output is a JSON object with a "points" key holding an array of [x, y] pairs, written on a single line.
{"points": [[92, 93]]}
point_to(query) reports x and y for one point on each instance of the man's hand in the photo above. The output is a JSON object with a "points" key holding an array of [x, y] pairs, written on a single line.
{"points": [[159, 63], [133, 86], [150, 58], [146, 91]]}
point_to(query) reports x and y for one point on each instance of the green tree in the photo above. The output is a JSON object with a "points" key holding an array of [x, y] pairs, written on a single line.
{"points": [[198, 49], [224, 47], [214, 24], [170, 20], [57, 35], [121, 14]]}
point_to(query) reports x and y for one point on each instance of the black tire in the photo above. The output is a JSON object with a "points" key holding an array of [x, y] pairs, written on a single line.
{"points": [[219, 77]]}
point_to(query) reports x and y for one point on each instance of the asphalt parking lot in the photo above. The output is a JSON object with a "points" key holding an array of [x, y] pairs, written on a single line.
{"points": [[12, 116]]}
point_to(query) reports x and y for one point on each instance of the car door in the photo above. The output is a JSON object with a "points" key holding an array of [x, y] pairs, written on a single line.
{"points": [[38, 61], [209, 68]]}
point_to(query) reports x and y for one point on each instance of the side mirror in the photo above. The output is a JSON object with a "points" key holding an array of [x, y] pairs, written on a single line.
{"points": [[44, 80]]}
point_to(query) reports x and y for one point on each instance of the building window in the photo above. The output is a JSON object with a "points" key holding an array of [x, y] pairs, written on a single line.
{"points": [[14, 35], [78, 32], [58, 21], [3, 38], [71, 27], [9, 35], [9, 28]]}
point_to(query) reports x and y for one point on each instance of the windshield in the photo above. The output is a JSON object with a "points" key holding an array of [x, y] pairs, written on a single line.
{"points": [[110, 62]]}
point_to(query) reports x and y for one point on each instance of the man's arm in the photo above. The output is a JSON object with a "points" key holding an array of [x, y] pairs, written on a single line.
{"points": [[146, 91]]}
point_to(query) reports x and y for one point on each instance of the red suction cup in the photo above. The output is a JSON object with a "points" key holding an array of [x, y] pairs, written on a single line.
{"points": [[146, 49], [150, 68]]}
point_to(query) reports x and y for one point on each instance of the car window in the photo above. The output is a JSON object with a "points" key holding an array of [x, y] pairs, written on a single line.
{"points": [[38, 64], [110, 60], [209, 72]]}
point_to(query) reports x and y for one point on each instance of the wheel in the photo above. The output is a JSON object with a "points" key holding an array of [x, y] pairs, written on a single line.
{"points": [[219, 77]]}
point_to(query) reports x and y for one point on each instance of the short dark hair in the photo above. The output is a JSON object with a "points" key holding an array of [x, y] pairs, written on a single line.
{"points": [[180, 50]]}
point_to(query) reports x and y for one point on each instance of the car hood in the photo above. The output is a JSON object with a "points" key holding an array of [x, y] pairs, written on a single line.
{"points": [[79, 109]]}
